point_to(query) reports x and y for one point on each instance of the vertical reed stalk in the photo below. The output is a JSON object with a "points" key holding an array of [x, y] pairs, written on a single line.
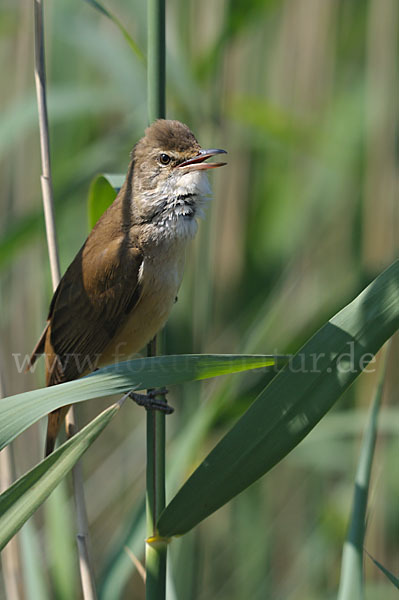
{"points": [[351, 586], [155, 547], [45, 179], [156, 60], [85, 564]]}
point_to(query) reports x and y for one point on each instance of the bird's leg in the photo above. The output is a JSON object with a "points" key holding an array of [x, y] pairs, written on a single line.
{"points": [[150, 400]]}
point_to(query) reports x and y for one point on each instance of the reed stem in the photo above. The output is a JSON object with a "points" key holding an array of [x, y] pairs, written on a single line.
{"points": [[155, 499], [85, 563]]}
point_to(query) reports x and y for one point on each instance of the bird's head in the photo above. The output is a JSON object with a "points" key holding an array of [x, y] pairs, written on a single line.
{"points": [[169, 177]]}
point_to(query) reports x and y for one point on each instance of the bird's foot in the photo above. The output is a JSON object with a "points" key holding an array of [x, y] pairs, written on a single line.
{"points": [[150, 400]]}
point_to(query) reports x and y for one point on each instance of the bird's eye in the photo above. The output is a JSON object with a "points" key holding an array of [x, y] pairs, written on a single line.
{"points": [[164, 159]]}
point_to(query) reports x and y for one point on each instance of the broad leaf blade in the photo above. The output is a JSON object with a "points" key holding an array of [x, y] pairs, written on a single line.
{"points": [[102, 193], [291, 405], [21, 499], [20, 411]]}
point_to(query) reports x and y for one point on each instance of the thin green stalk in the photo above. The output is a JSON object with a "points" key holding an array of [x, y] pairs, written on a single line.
{"points": [[155, 558], [156, 60], [155, 500], [351, 581]]}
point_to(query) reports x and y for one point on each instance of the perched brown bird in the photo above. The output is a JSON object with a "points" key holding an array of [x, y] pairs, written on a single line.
{"points": [[118, 291]]}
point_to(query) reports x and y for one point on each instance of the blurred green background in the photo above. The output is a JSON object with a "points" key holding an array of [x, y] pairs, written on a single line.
{"points": [[304, 96]]}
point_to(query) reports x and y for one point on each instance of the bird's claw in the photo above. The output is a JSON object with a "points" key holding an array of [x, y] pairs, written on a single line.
{"points": [[150, 400]]}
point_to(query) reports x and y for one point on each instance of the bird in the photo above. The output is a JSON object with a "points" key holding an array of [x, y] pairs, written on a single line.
{"points": [[118, 291]]}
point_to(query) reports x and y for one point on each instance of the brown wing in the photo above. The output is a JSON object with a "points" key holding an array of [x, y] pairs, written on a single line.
{"points": [[92, 301], [96, 294]]}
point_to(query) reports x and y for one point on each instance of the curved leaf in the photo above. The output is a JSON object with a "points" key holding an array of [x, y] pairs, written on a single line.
{"points": [[21, 499], [20, 411], [291, 405], [392, 578], [120, 26]]}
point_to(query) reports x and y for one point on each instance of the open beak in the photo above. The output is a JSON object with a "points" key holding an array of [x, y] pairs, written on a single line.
{"points": [[197, 162]]}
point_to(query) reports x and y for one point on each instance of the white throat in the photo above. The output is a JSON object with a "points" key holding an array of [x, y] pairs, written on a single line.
{"points": [[179, 203]]}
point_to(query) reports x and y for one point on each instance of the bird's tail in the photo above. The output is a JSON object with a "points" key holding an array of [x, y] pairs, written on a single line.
{"points": [[54, 423], [38, 349]]}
